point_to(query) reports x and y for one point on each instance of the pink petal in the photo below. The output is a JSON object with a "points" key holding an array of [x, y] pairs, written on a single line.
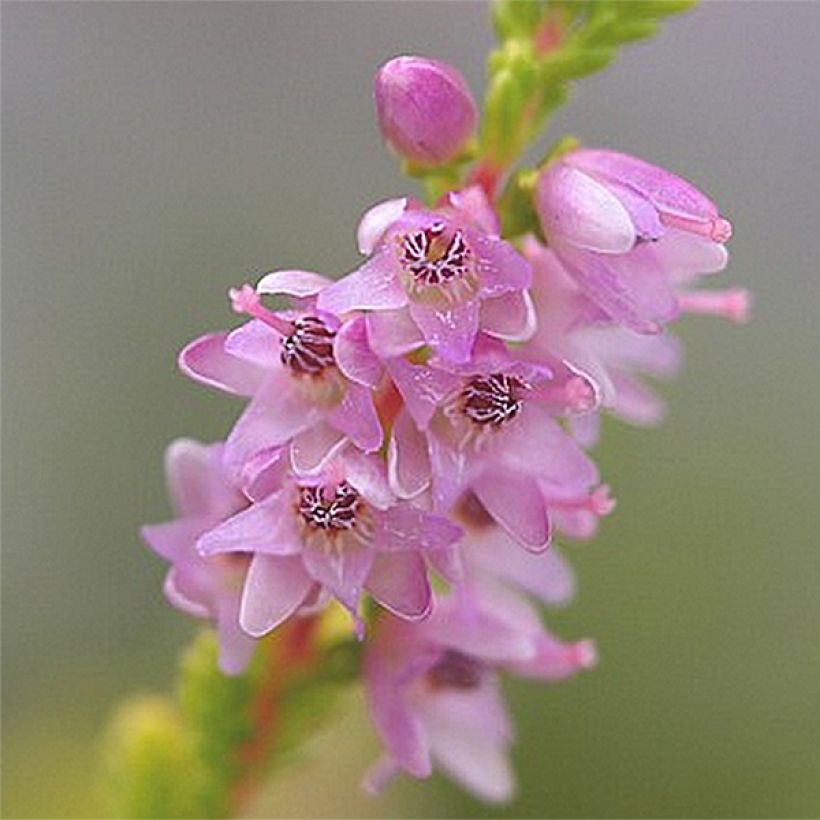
{"points": [[311, 450], [374, 286], [686, 255], [399, 583], [576, 209], [356, 417], [636, 403], [405, 527], [366, 474], [516, 503], [299, 283], [633, 292], [341, 567], [176, 595], [255, 343], [510, 317], [421, 387], [174, 540], [277, 413], [449, 471], [450, 331], [353, 354], [499, 266], [206, 361], [666, 190], [274, 589], [472, 203], [376, 221], [236, 647], [393, 333], [268, 527], [407, 459]]}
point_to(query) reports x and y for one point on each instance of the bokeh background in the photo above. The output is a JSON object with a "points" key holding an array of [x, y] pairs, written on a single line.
{"points": [[156, 153]]}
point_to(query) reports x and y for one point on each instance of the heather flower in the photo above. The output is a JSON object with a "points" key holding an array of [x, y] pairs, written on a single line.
{"points": [[336, 533], [425, 110], [486, 428], [435, 277], [433, 688], [310, 376], [630, 234], [205, 587]]}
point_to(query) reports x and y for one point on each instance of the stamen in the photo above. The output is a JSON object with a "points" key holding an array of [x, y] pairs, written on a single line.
{"points": [[733, 304], [246, 300], [308, 349], [432, 259], [718, 230], [599, 502], [455, 670], [340, 513], [494, 399]]}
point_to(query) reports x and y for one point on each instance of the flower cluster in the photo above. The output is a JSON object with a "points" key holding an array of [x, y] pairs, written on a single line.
{"points": [[417, 432]]}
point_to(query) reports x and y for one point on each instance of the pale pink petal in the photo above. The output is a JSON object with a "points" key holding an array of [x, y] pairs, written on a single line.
{"points": [[516, 503], [636, 403], [299, 283], [376, 221], [666, 190], [632, 288], [500, 268], [274, 589], [354, 356], [405, 527], [366, 473], [177, 596], [393, 333], [642, 212], [586, 429], [311, 450], [175, 539], [421, 387], [449, 330], [374, 286], [449, 471], [268, 527], [447, 562], [356, 417], [195, 480], [256, 343], [685, 255], [398, 581], [206, 361], [472, 203], [510, 317], [576, 209], [277, 413], [407, 459], [236, 647]]}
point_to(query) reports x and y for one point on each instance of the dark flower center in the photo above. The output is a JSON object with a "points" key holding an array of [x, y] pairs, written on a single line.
{"points": [[432, 258], [455, 670], [309, 348], [493, 399], [336, 513]]}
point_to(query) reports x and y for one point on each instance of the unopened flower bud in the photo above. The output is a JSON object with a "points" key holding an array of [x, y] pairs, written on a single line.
{"points": [[425, 109]]}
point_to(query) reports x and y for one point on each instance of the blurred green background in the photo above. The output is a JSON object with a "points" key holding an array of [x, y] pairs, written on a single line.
{"points": [[155, 154]]}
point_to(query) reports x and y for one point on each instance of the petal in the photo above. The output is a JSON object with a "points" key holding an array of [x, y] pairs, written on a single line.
{"points": [[299, 283], [311, 450], [407, 460], [206, 361], [376, 221], [399, 583], [574, 208], [393, 333], [366, 473], [196, 481], [635, 403], [472, 203], [274, 589], [499, 266], [632, 292], [422, 387], [268, 527], [174, 540], [405, 527], [236, 647], [353, 354], [450, 331], [256, 343], [356, 417], [510, 317], [176, 595], [449, 471], [374, 286], [516, 503], [666, 190], [686, 255], [277, 413]]}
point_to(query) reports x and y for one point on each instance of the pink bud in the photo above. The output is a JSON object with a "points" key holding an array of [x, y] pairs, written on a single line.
{"points": [[425, 109]]}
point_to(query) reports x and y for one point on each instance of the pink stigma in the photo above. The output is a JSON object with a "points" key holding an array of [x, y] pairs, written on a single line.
{"points": [[246, 301], [584, 654], [718, 230], [733, 304], [599, 502]]}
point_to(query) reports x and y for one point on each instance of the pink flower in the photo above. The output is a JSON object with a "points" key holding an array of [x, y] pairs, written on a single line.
{"points": [[433, 688], [435, 278], [310, 376], [486, 428], [203, 587], [425, 109], [630, 234], [336, 533]]}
